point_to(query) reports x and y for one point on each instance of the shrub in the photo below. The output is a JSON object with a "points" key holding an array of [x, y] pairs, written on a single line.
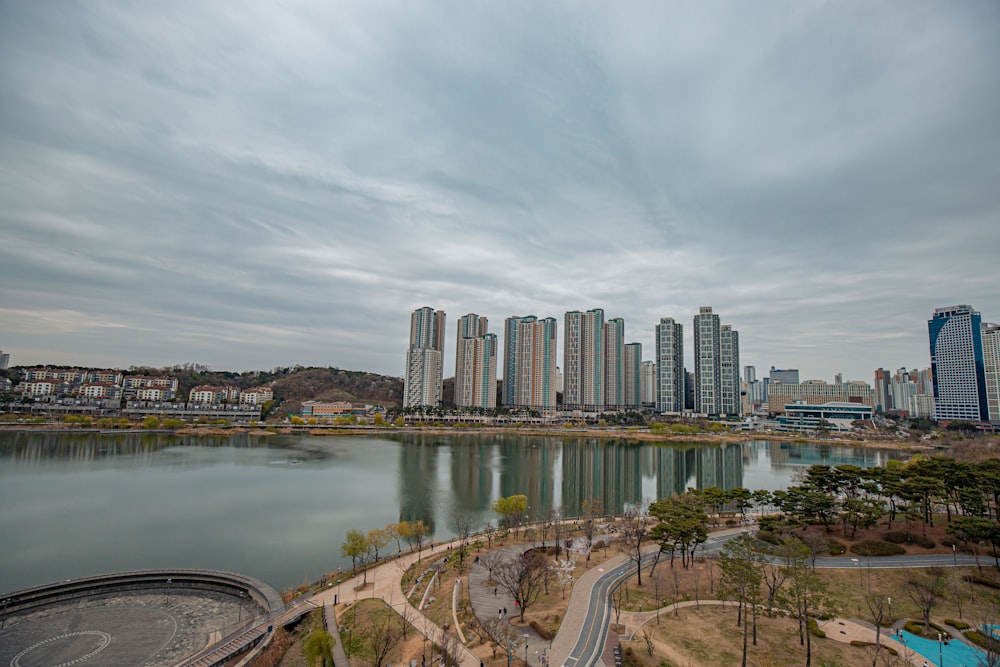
{"points": [[542, 631], [769, 537], [897, 536], [982, 640], [814, 629], [858, 642], [877, 548], [958, 625], [835, 547]]}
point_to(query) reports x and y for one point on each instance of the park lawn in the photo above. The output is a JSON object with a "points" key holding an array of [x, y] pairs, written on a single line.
{"points": [[708, 637]]}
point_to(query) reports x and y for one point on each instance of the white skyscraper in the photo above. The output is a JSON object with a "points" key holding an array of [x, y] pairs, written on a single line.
{"points": [[424, 359], [648, 384], [583, 367]]}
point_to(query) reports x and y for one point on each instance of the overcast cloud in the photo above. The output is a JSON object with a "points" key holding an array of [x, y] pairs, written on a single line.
{"points": [[248, 185]]}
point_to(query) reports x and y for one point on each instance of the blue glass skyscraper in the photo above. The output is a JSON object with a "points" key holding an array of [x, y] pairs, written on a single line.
{"points": [[957, 366]]}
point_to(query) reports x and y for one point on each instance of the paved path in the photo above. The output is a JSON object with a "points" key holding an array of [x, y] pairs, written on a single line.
{"points": [[488, 601], [339, 655]]}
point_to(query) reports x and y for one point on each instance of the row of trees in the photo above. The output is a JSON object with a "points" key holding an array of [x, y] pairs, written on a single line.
{"points": [[366, 548]]}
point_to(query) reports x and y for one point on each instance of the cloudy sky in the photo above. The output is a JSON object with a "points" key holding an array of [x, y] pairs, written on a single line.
{"points": [[246, 185]]}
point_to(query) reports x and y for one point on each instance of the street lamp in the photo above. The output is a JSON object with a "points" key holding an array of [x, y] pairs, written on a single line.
{"points": [[940, 656], [239, 616], [526, 650], [3, 618], [890, 612], [954, 556]]}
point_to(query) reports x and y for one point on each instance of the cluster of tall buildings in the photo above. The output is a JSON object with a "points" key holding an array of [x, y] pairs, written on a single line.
{"points": [[600, 372], [909, 393], [965, 365]]}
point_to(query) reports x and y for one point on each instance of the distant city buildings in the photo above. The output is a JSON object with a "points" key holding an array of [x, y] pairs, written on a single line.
{"points": [[787, 376], [957, 364], [816, 392], [4, 360], [903, 393]]}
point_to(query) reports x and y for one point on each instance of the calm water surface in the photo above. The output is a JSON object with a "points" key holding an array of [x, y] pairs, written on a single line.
{"points": [[277, 507]]}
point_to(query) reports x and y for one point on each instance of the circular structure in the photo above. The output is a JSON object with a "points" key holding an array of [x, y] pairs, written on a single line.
{"points": [[104, 639], [153, 618]]}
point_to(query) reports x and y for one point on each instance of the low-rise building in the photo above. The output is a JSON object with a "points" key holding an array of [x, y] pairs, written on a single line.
{"points": [[256, 396], [37, 388], [833, 416], [816, 392], [322, 409]]}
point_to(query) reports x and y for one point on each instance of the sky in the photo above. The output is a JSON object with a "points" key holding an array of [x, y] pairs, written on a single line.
{"points": [[257, 184]]}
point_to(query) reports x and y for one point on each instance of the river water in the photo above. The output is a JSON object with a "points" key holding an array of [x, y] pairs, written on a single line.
{"points": [[278, 507]]}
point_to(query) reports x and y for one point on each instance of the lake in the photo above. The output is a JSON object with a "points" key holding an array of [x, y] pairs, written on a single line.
{"points": [[278, 507]]}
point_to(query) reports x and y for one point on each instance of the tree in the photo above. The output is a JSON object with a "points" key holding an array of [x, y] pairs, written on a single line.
{"points": [[590, 511], [634, 529], [382, 636], [926, 592], [973, 530], [355, 546], [317, 648], [511, 509], [683, 525], [740, 580], [524, 578], [497, 630], [378, 538], [563, 569], [805, 592], [877, 612], [417, 532]]}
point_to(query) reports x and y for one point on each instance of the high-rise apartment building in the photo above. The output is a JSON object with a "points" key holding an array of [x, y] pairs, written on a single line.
{"points": [[957, 366], [648, 372], [633, 376], [707, 362], [991, 368], [729, 371], [479, 370], [583, 367], [535, 358], [424, 359], [669, 366], [472, 327], [531, 377], [4, 360], [614, 364], [880, 395]]}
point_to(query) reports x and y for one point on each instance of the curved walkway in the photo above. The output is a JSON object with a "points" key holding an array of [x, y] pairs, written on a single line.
{"points": [[488, 601]]}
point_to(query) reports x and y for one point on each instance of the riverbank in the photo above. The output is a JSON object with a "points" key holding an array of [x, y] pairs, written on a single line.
{"points": [[629, 433]]}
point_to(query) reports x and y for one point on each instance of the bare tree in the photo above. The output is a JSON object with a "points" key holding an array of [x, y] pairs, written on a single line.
{"points": [[451, 650], [647, 638], [461, 521], [555, 515], [634, 529], [407, 615], [382, 637], [497, 631], [877, 612], [617, 600], [590, 511], [524, 578], [490, 560], [563, 569], [925, 594]]}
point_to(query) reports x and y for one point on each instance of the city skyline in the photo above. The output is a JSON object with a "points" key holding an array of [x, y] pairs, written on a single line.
{"points": [[177, 189]]}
